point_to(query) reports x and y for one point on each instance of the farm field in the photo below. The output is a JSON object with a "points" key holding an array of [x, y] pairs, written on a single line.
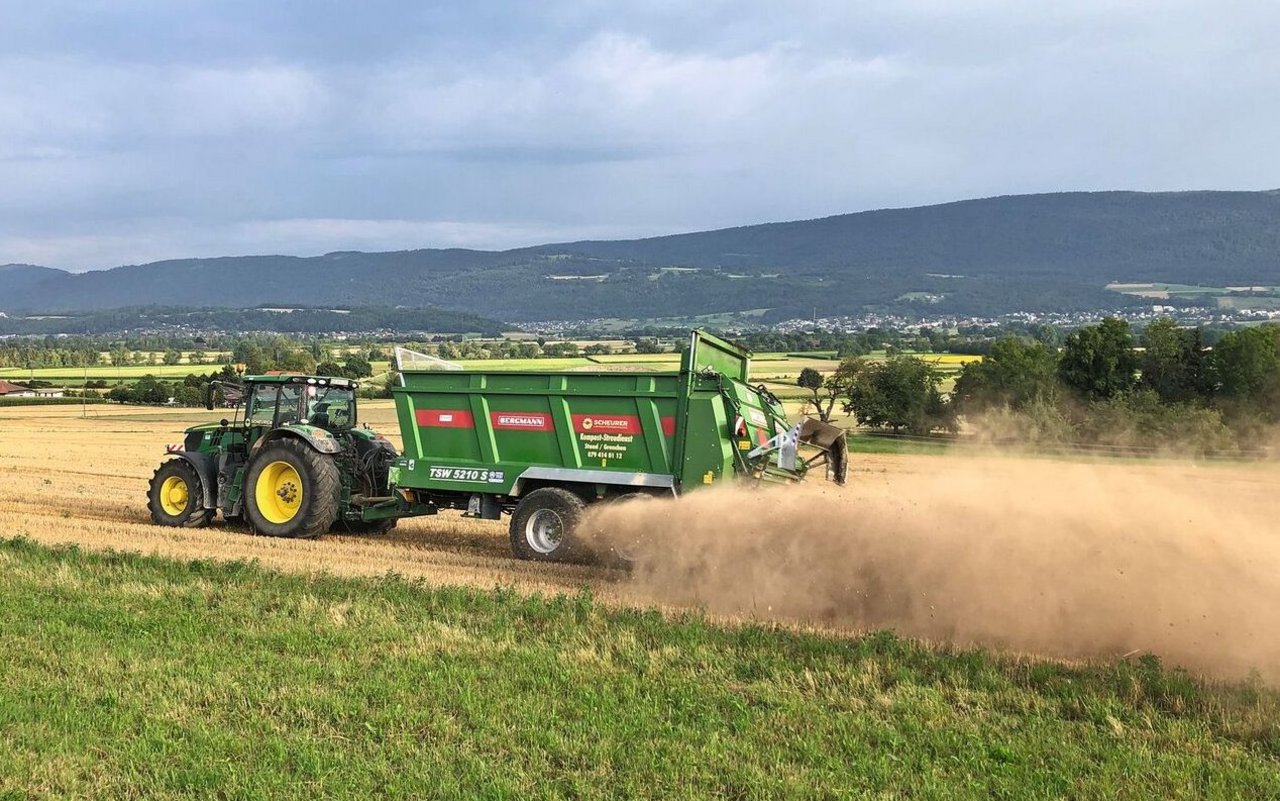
{"points": [[76, 376], [219, 662], [777, 370], [1224, 297]]}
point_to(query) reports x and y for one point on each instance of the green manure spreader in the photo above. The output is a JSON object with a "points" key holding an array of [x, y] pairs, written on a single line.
{"points": [[537, 446]]}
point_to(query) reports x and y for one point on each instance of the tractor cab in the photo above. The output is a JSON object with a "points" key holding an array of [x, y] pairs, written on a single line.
{"points": [[272, 401], [316, 408]]}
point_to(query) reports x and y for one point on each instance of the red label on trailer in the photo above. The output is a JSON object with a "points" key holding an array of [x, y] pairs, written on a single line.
{"points": [[669, 426], [606, 424], [521, 421], [445, 418]]}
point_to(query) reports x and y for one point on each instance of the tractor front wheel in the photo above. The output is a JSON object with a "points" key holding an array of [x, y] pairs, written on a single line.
{"points": [[291, 490], [176, 497]]}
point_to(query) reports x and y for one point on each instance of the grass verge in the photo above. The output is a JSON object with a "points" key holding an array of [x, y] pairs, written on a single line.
{"points": [[871, 443], [136, 677]]}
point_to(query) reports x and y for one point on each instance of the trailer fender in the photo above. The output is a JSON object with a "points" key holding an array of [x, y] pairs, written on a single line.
{"points": [[317, 438], [208, 472], [541, 476]]}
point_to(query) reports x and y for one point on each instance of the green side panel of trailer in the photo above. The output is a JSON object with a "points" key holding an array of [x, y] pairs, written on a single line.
{"points": [[479, 431], [471, 431]]}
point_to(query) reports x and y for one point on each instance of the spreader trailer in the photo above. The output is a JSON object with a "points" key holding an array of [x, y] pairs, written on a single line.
{"points": [[538, 446], [542, 446]]}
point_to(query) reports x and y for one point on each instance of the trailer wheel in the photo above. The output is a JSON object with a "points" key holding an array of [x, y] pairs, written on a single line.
{"points": [[291, 491], [625, 553], [176, 497], [544, 523]]}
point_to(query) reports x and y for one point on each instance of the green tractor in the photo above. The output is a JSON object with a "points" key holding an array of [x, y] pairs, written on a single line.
{"points": [[295, 464]]}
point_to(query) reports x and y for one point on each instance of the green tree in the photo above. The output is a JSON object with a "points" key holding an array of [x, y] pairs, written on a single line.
{"points": [[901, 394], [357, 366], [1173, 364], [1015, 373], [329, 368], [826, 390], [851, 346], [251, 355], [188, 395], [122, 394], [295, 360], [1098, 361], [560, 349], [172, 357], [149, 389], [1245, 366]]}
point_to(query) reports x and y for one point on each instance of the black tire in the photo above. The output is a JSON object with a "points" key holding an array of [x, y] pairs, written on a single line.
{"points": [[544, 524], [626, 554], [361, 527], [190, 511], [316, 506]]}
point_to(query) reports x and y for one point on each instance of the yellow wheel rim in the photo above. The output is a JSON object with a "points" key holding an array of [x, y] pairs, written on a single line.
{"points": [[278, 492], [174, 495]]}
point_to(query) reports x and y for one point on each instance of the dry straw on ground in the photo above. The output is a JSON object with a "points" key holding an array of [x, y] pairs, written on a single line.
{"points": [[1055, 558]]}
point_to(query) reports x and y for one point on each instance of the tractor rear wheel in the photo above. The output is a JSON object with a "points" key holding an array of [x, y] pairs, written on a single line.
{"points": [[176, 497], [291, 490], [544, 523]]}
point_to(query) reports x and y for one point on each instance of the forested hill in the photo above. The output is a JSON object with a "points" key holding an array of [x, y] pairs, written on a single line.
{"points": [[18, 277], [1031, 252]]}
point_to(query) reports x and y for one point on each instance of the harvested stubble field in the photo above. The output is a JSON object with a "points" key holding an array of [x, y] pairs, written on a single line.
{"points": [[64, 479], [194, 675], [68, 479]]}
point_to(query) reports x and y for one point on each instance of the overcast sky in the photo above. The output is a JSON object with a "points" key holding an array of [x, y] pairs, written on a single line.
{"points": [[132, 130]]}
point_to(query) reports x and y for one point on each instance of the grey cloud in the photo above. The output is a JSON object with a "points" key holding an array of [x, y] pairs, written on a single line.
{"points": [[309, 126]]}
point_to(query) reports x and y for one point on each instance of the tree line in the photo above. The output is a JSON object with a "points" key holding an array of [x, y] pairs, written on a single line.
{"points": [[1105, 385]]}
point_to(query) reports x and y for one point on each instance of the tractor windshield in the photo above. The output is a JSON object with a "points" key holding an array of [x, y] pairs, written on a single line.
{"points": [[262, 405], [328, 407], [331, 407]]}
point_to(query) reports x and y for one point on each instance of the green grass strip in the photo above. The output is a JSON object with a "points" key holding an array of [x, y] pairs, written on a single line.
{"points": [[135, 677]]}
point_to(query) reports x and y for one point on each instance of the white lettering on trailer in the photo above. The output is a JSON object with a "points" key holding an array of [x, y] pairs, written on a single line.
{"points": [[522, 421], [469, 474]]}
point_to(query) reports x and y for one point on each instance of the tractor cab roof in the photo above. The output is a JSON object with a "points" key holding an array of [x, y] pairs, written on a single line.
{"points": [[301, 379]]}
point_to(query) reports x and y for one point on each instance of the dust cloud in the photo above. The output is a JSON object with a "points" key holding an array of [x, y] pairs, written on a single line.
{"points": [[1066, 560]]}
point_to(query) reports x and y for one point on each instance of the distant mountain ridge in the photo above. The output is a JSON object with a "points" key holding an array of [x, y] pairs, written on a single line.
{"points": [[17, 277], [1051, 252]]}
